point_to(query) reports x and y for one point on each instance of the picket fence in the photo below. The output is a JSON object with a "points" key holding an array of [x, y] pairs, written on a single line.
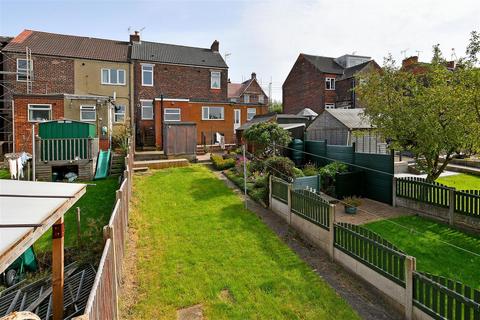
{"points": [[422, 295]]}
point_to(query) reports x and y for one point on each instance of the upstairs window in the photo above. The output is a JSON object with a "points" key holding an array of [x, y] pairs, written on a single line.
{"points": [[212, 113], [119, 114], [329, 105], [246, 98], [171, 114], [147, 109], [261, 99], [113, 76], [23, 65], [147, 75], [251, 112], [330, 83], [215, 77], [88, 113], [39, 112]]}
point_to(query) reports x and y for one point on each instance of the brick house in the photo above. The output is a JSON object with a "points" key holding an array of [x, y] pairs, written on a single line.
{"points": [[319, 83], [180, 83], [411, 64]]}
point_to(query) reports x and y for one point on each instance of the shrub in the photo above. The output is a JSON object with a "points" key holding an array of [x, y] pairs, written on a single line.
{"points": [[298, 173], [280, 167], [331, 169], [352, 202], [310, 170], [221, 164], [268, 138], [120, 136]]}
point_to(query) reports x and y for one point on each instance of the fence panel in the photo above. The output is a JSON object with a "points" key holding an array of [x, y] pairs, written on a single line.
{"points": [[468, 202], [311, 207], [428, 192], [442, 298], [313, 182], [280, 190], [372, 250]]}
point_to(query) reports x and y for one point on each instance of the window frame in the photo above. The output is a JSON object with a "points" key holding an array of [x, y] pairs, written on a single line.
{"points": [[261, 98], [153, 81], [330, 80], [330, 106], [219, 79], [115, 114], [39, 104], [248, 112], [102, 80], [88, 106], [26, 69], [173, 109], [208, 119], [142, 107], [245, 96]]}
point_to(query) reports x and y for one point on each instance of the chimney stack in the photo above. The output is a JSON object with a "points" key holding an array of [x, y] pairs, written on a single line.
{"points": [[254, 75], [215, 46], [409, 61], [135, 37]]}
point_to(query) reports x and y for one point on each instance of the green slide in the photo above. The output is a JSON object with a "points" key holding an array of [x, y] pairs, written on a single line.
{"points": [[103, 163]]}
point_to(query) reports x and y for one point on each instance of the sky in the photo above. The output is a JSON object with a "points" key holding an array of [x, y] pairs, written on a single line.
{"points": [[265, 37]]}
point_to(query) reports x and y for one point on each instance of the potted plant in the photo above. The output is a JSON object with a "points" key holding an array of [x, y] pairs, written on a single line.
{"points": [[351, 204]]}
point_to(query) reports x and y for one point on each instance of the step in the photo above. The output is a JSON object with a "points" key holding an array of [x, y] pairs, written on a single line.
{"points": [[140, 169], [149, 155], [161, 164]]}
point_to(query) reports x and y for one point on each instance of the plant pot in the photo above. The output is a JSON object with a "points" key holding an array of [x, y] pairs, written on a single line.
{"points": [[350, 210]]}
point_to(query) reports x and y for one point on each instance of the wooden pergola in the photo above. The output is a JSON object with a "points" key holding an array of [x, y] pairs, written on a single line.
{"points": [[27, 210]]}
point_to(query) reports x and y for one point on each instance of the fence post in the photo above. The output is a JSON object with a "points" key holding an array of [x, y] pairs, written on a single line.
{"points": [[289, 200], [410, 267], [79, 231], [394, 192], [451, 208], [331, 229], [109, 233], [270, 191]]}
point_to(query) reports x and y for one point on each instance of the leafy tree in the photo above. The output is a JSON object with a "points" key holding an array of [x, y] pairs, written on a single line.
{"points": [[281, 167], [276, 107], [268, 138], [431, 114]]}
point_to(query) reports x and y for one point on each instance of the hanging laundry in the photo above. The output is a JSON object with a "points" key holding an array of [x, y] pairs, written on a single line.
{"points": [[20, 168], [12, 164]]}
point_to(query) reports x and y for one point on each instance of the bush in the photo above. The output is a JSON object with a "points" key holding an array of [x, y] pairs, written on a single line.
{"points": [[310, 170], [331, 169], [120, 136], [221, 164], [280, 167], [298, 173]]}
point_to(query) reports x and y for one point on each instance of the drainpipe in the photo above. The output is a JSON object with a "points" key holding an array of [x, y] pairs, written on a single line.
{"points": [[161, 118]]}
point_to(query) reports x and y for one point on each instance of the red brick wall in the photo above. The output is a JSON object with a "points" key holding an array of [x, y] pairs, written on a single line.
{"points": [[192, 112], [254, 90], [23, 128], [305, 87]]}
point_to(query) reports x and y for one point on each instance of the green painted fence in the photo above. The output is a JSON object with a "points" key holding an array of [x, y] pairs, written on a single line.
{"points": [[442, 298], [311, 207], [371, 250], [418, 189], [468, 202], [280, 190], [313, 182]]}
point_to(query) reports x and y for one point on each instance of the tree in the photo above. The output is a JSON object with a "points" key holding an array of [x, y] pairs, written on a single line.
{"points": [[429, 114], [268, 138], [276, 107]]}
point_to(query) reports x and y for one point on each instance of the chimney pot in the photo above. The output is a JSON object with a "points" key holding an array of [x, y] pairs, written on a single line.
{"points": [[215, 46], [135, 37], [254, 75]]}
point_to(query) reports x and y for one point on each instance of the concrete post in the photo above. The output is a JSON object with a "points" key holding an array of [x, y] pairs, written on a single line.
{"points": [[410, 267], [270, 191], [451, 208], [289, 198], [394, 192], [331, 231]]}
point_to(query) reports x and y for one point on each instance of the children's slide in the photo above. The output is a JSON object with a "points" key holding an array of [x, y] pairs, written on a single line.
{"points": [[103, 164]]}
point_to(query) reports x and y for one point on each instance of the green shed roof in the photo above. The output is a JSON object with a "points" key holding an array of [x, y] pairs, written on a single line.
{"points": [[63, 129]]}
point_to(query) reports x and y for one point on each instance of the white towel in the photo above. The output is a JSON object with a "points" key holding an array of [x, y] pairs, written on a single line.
{"points": [[12, 163], [20, 168]]}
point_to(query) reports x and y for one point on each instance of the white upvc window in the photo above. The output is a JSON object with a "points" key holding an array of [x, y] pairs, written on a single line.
{"points": [[88, 113], [215, 79], [113, 76], [251, 112], [329, 83], [212, 113], [119, 113], [329, 105], [23, 65], [147, 75], [172, 114], [261, 98], [246, 98], [39, 112], [147, 109]]}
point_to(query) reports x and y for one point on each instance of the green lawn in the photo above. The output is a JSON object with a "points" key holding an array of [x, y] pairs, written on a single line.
{"points": [[461, 181], [198, 245], [431, 253], [96, 207], [4, 174]]}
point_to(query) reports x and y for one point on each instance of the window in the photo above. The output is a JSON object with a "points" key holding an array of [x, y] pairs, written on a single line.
{"points": [[147, 74], [215, 77], [113, 76], [147, 109], [119, 114], [171, 114], [22, 69], [251, 112], [330, 83], [39, 112], [261, 98], [246, 98], [88, 113], [329, 105], [212, 113]]}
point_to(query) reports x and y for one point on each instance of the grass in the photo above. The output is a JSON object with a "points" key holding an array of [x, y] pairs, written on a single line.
{"points": [[4, 174], [198, 245], [257, 192], [96, 206], [461, 181], [433, 255]]}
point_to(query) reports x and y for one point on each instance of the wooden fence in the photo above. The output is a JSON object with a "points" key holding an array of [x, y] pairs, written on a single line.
{"points": [[103, 300], [311, 207], [280, 190], [443, 298], [468, 202], [372, 250]]}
